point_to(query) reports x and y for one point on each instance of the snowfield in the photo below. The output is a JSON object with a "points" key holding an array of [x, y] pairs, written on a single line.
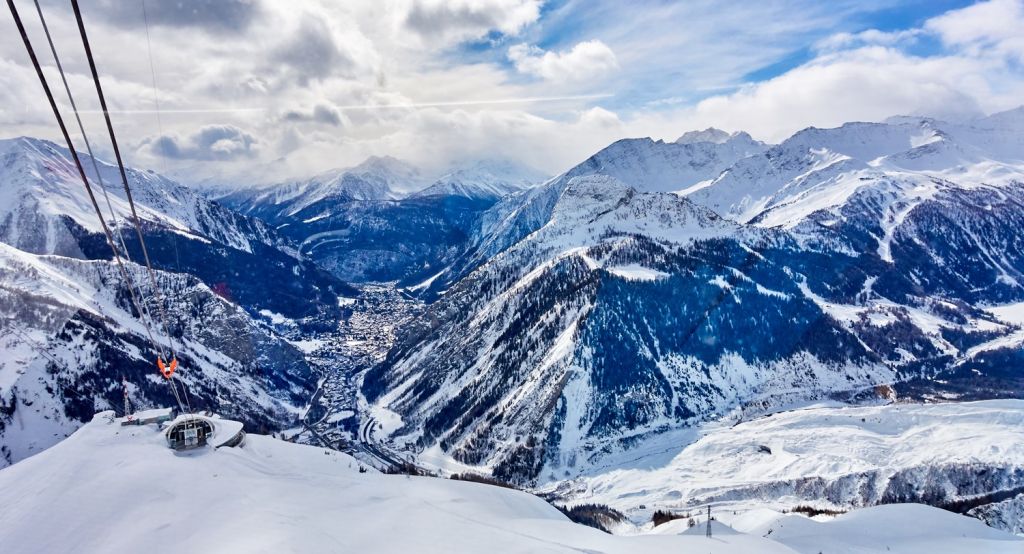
{"points": [[827, 457], [109, 488]]}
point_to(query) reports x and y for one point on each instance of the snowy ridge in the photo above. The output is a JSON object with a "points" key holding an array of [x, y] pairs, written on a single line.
{"points": [[657, 166], [40, 190], [484, 180], [818, 169], [711, 134], [644, 164], [375, 179]]}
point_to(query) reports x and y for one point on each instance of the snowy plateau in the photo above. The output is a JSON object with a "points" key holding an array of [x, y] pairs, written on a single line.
{"points": [[821, 339]]}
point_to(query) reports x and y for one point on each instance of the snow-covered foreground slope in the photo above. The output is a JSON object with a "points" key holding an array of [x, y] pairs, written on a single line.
{"points": [[825, 457], [114, 489]]}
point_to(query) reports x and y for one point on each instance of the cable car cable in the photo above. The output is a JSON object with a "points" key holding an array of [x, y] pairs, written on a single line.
{"points": [[124, 176], [88, 147], [78, 162], [81, 128]]}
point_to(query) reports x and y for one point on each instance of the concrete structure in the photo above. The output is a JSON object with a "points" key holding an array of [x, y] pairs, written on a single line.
{"points": [[191, 431], [145, 417]]}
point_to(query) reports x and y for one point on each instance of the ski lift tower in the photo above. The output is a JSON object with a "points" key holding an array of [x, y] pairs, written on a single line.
{"points": [[127, 405], [708, 532]]}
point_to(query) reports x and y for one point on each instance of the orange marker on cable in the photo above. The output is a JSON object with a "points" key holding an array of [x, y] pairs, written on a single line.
{"points": [[167, 370]]}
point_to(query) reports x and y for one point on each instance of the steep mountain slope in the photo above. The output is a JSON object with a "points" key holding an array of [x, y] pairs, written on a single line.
{"points": [[44, 209], [920, 210], [70, 335], [583, 317], [626, 314]]}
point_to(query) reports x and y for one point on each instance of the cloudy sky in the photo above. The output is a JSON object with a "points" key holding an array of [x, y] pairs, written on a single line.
{"points": [[263, 90]]}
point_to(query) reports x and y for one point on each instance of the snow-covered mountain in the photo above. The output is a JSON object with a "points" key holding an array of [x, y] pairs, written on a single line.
{"points": [[966, 457], [70, 335], [484, 180], [270, 495], [356, 225], [652, 290], [44, 209], [377, 178], [710, 134], [626, 314], [658, 166], [589, 314], [909, 159], [643, 164]]}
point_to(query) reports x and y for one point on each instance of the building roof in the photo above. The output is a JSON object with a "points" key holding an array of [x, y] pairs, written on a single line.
{"points": [[224, 430]]}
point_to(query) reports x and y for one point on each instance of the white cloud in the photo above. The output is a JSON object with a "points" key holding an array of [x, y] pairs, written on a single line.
{"points": [[303, 88], [449, 21], [868, 76], [868, 84], [212, 142], [600, 117], [994, 27], [870, 37], [586, 61]]}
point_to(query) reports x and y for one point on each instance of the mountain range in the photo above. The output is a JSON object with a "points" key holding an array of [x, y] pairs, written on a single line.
{"points": [[71, 333], [597, 310], [654, 287]]}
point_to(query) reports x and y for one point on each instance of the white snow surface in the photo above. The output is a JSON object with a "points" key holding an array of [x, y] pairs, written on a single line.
{"points": [[901, 528], [484, 179], [637, 272], [820, 441], [657, 166], [109, 488]]}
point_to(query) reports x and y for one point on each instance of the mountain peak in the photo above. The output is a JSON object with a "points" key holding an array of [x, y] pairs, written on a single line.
{"points": [[380, 164], [711, 134]]}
